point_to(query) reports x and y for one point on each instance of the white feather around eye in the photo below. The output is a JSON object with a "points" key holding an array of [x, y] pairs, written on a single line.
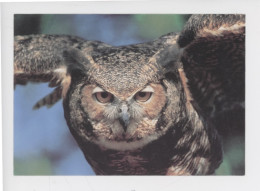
{"points": [[97, 89], [147, 89]]}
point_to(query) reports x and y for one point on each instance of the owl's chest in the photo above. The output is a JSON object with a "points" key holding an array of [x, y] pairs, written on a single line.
{"points": [[138, 162], [126, 163]]}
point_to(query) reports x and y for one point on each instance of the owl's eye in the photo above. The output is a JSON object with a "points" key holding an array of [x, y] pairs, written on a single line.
{"points": [[143, 96], [104, 97]]}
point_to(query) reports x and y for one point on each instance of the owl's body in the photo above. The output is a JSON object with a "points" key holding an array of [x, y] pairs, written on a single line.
{"points": [[129, 108]]}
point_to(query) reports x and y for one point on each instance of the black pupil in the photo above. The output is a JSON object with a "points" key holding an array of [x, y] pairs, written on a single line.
{"points": [[104, 94], [142, 94]]}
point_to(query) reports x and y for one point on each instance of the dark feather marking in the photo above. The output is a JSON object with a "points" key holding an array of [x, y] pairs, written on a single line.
{"points": [[50, 99]]}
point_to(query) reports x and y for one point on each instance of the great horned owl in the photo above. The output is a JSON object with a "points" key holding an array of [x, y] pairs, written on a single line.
{"points": [[143, 109]]}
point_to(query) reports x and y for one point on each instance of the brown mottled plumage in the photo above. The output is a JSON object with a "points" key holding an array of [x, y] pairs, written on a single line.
{"points": [[144, 109], [216, 79]]}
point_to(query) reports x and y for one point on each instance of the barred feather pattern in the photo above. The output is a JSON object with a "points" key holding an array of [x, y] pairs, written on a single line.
{"points": [[50, 99]]}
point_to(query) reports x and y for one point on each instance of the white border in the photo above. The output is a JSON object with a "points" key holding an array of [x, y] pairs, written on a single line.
{"points": [[137, 183]]}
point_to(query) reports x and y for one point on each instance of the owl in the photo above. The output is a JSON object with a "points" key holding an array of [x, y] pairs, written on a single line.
{"points": [[153, 108]]}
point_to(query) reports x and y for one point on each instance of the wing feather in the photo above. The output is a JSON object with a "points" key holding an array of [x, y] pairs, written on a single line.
{"points": [[213, 59], [40, 58]]}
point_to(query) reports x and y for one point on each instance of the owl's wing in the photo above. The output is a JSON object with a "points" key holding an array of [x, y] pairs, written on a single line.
{"points": [[213, 59], [42, 58]]}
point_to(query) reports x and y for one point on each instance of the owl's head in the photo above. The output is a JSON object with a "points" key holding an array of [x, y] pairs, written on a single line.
{"points": [[121, 98]]}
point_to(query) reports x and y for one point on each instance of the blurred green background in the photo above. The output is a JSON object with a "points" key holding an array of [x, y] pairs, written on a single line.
{"points": [[43, 144]]}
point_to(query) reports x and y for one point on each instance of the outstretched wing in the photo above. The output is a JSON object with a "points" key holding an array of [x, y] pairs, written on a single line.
{"points": [[213, 60], [40, 58]]}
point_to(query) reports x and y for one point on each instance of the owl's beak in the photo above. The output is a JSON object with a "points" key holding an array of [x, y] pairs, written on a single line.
{"points": [[124, 118]]}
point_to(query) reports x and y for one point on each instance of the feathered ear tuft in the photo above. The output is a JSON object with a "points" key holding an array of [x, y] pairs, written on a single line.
{"points": [[168, 58], [76, 61]]}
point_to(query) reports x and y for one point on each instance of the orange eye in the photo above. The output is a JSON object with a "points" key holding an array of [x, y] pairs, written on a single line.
{"points": [[104, 97], [143, 96]]}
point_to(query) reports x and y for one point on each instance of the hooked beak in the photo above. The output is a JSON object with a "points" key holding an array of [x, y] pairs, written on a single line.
{"points": [[124, 118]]}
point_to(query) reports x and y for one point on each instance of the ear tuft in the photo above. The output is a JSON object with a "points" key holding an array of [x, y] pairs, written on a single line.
{"points": [[168, 57], [76, 60]]}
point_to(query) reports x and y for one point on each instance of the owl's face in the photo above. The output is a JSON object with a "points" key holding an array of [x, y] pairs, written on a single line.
{"points": [[121, 104], [119, 120]]}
